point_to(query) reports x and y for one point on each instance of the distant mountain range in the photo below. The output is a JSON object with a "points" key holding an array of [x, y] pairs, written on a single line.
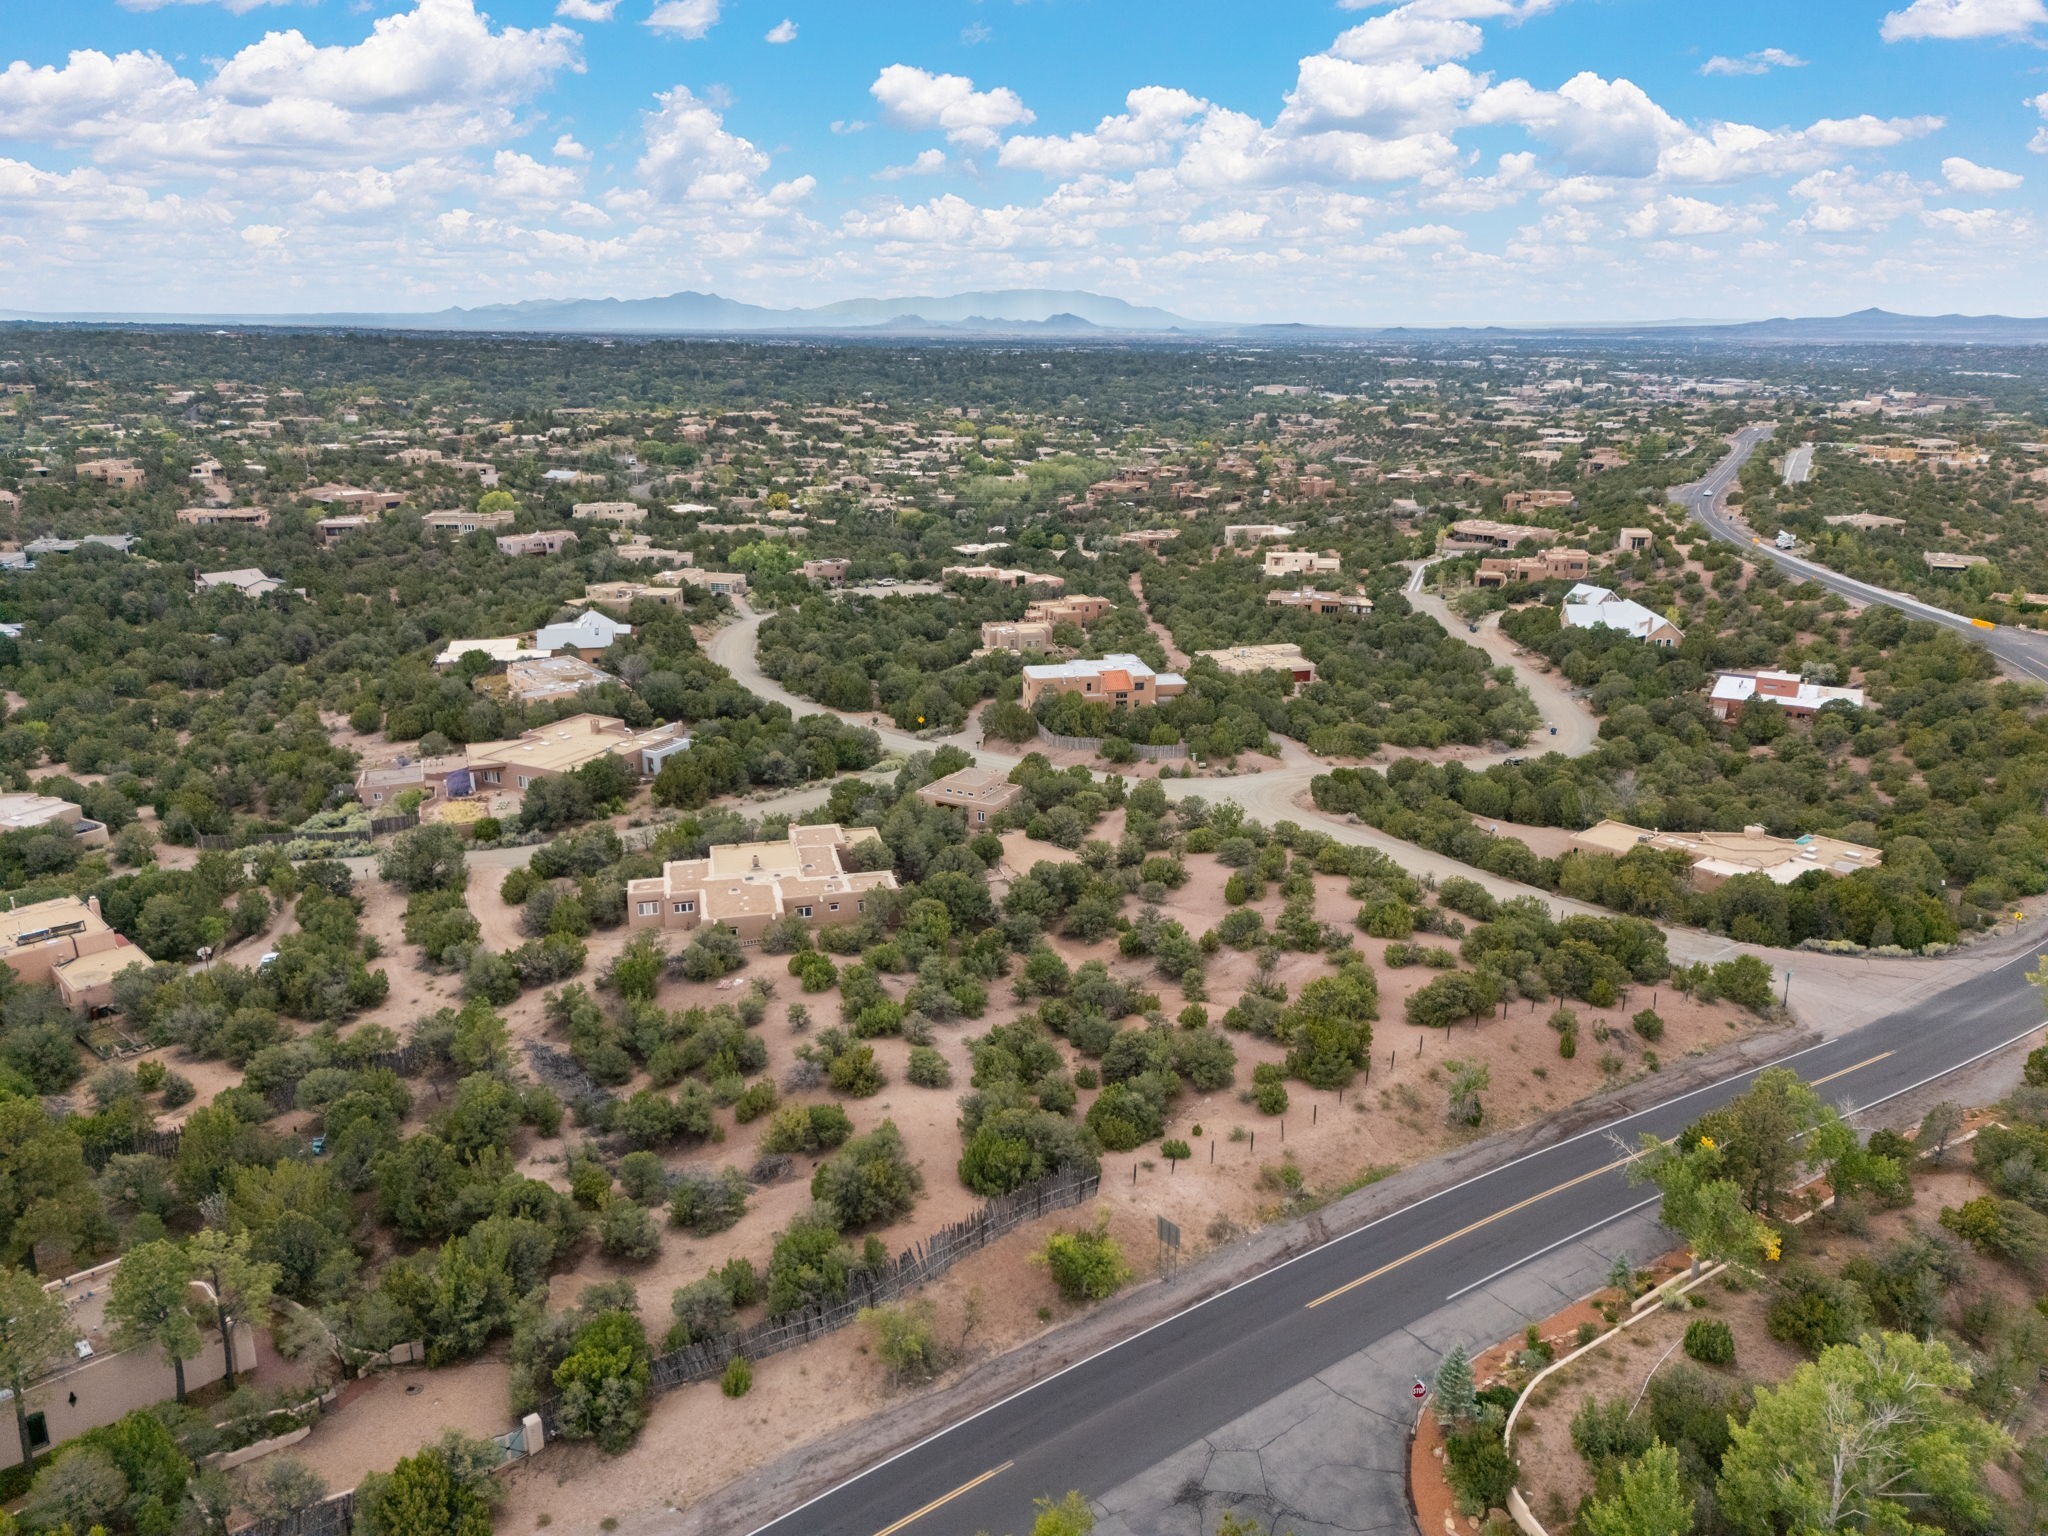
{"points": [[1000, 312], [1055, 312]]}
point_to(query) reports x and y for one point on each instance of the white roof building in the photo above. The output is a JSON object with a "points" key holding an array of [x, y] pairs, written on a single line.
{"points": [[1589, 607], [590, 630], [250, 582], [1788, 690], [506, 648]]}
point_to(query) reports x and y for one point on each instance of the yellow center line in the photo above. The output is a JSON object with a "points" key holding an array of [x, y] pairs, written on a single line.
{"points": [[1867, 1061], [944, 1498], [1521, 1205], [1484, 1221]]}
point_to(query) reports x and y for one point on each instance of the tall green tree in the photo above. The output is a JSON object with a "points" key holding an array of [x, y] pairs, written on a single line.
{"points": [[1651, 1499], [46, 1193], [150, 1304], [35, 1333], [241, 1285], [1701, 1203], [1873, 1436], [1456, 1404]]}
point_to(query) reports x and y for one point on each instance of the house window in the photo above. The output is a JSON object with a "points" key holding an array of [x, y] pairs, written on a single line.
{"points": [[803, 911], [38, 1432], [832, 906], [686, 906], [524, 781], [376, 795], [860, 906], [650, 909]]}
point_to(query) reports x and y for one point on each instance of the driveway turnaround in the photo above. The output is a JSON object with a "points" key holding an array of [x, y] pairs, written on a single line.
{"points": [[1329, 1456]]}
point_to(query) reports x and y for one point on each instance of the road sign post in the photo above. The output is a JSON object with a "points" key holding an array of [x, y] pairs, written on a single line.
{"points": [[1169, 1245]]}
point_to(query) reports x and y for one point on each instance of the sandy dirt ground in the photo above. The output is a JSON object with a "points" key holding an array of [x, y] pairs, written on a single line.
{"points": [[997, 1299]]}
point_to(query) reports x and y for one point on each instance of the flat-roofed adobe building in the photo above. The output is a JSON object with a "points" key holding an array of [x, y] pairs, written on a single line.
{"points": [[35, 938], [31, 813], [981, 794], [96, 1383], [1250, 660], [1485, 533], [1348, 604], [1018, 636], [1067, 610], [1114, 679], [225, 517], [745, 888]]}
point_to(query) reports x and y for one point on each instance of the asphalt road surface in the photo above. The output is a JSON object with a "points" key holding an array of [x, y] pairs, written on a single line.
{"points": [[2024, 652], [1119, 1412]]}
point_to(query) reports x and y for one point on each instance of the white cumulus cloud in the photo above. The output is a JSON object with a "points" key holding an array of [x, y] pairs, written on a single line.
{"points": [[1409, 32], [687, 19], [918, 99], [1963, 19], [587, 10], [1155, 119], [1761, 62], [1968, 176], [929, 162], [784, 31]]}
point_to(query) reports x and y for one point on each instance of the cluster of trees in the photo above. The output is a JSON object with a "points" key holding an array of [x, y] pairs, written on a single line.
{"points": [[1392, 676], [1906, 902]]}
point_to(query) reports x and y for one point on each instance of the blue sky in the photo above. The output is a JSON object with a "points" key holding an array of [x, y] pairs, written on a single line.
{"points": [[1438, 160]]}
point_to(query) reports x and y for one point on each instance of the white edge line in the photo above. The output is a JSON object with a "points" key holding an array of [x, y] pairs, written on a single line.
{"points": [[1598, 1130], [1530, 1258]]}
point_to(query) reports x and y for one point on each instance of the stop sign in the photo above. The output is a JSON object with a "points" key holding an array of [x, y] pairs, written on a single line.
{"points": [[1418, 1391]]}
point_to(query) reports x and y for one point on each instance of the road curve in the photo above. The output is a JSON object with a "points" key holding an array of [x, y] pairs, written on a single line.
{"points": [[2022, 652]]}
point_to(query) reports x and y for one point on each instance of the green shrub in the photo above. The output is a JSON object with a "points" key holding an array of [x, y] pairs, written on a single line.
{"points": [[1710, 1342], [738, 1380], [1087, 1265], [1649, 1024], [1270, 1098], [755, 1100], [1175, 1151], [1814, 1312], [1479, 1469], [928, 1069]]}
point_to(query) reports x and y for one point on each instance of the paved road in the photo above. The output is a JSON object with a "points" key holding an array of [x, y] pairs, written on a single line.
{"points": [[1799, 464], [2022, 652], [1113, 1416]]}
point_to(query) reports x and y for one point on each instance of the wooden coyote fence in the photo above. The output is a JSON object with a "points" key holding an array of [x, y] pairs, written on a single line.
{"points": [[1172, 754], [915, 1266]]}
